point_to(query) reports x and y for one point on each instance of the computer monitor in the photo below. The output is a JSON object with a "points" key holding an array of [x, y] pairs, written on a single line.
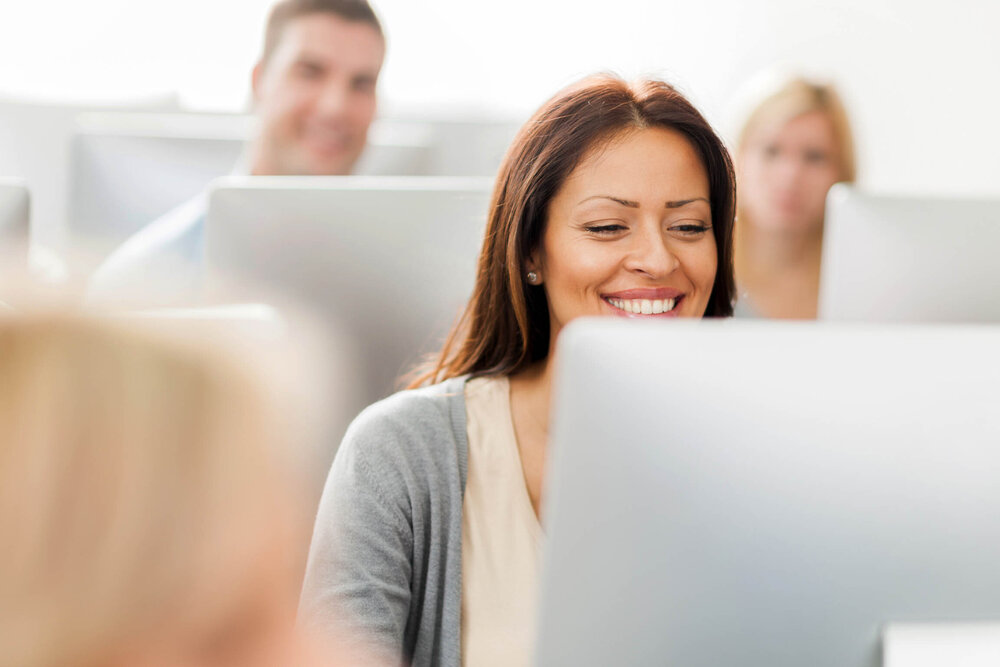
{"points": [[909, 259], [128, 169], [387, 261], [14, 220], [767, 494], [34, 146]]}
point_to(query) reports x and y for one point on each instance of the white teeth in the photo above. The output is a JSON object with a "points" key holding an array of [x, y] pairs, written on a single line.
{"points": [[644, 306]]}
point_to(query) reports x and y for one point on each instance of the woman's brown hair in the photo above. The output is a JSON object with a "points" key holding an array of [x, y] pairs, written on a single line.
{"points": [[505, 326]]}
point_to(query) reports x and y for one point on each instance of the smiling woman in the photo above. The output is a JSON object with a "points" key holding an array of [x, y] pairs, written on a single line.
{"points": [[615, 200], [644, 148], [646, 251]]}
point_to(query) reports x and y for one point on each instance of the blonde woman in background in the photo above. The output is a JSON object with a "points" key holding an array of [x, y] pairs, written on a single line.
{"points": [[793, 146], [147, 513]]}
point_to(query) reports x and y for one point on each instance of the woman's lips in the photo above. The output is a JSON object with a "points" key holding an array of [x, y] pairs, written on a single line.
{"points": [[645, 293]]}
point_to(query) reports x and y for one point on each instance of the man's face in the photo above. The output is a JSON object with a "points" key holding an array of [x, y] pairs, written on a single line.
{"points": [[315, 96]]}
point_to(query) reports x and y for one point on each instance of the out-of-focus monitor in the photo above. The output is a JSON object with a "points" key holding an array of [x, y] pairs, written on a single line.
{"points": [[128, 169], [35, 144], [767, 494], [14, 221], [896, 259], [389, 262]]}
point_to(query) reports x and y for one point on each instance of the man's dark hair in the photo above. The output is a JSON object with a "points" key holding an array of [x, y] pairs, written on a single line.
{"points": [[287, 10]]}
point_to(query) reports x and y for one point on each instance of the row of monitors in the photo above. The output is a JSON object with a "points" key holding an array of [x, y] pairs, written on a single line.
{"points": [[393, 258], [404, 251], [411, 239]]}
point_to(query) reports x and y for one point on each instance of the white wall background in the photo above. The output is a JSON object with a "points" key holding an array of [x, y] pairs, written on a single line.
{"points": [[920, 77]]}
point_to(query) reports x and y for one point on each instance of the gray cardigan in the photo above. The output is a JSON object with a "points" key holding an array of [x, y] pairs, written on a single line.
{"points": [[386, 555]]}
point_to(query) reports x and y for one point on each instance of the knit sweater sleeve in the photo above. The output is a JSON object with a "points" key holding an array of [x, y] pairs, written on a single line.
{"points": [[385, 524]]}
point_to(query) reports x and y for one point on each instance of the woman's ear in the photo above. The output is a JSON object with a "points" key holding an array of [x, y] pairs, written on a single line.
{"points": [[532, 269]]}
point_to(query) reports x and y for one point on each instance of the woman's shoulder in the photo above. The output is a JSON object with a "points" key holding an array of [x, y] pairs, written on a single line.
{"points": [[409, 430], [413, 411]]}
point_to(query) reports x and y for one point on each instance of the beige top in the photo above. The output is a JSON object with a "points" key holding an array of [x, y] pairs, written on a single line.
{"points": [[501, 536]]}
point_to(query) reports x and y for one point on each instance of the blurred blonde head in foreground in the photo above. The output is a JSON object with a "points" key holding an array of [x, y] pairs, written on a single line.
{"points": [[147, 512]]}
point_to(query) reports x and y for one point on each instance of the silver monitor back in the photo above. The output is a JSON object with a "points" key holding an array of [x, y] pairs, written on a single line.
{"points": [[896, 259], [767, 494], [388, 261]]}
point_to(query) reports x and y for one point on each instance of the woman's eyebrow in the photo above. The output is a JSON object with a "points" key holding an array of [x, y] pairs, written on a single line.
{"points": [[634, 204], [685, 202], [617, 200]]}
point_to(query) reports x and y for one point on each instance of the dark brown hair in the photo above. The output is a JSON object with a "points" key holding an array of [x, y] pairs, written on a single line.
{"points": [[505, 326], [287, 10]]}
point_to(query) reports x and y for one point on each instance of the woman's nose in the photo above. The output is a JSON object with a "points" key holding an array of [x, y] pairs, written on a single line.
{"points": [[651, 255]]}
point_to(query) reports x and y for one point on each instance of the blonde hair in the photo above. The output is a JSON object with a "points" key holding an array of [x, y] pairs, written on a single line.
{"points": [[133, 471]]}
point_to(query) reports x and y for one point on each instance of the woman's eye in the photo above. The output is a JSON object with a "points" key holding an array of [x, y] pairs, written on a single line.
{"points": [[691, 229], [605, 229], [815, 157]]}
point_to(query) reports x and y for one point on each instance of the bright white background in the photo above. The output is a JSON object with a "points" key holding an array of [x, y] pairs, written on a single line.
{"points": [[920, 78]]}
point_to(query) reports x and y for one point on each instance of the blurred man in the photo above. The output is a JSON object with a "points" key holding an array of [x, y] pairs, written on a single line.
{"points": [[314, 97]]}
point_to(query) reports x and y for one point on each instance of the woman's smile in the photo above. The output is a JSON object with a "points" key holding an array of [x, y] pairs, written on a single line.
{"points": [[645, 302]]}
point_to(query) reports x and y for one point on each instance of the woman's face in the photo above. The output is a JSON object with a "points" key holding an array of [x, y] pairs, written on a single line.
{"points": [[629, 233], [786, 171]]}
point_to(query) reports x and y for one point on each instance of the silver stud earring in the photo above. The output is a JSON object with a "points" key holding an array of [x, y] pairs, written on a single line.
{"points": [[532, 277]]}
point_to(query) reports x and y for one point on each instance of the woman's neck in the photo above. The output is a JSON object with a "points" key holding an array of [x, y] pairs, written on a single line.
{"points": [[780, 252], [530, 397], [532, 390], [779, 272]]}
